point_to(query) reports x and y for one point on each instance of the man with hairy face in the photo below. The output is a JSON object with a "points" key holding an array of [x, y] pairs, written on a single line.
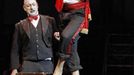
{"points": [[32, 42]]}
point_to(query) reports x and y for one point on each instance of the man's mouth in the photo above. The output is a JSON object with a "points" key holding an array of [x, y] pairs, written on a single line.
{"points": [[32, 11]]}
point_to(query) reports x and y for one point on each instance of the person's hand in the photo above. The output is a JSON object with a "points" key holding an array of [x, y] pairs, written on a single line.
{"points": [[57, 35], [89, 17], [14, 72]]}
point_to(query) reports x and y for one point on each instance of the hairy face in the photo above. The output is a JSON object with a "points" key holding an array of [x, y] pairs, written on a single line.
{"points": [[31, 7]]}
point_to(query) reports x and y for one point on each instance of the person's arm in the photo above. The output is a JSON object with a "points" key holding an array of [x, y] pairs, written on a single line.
{"points": [[55, 29], [88, 10], [89, 17], [15, 51]]}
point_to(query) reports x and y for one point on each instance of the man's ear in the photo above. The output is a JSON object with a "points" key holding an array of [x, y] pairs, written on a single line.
{"points": [[24, 8]]}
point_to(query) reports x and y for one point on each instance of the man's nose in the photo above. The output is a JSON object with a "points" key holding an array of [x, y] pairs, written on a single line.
{"points": [[32, 7]]}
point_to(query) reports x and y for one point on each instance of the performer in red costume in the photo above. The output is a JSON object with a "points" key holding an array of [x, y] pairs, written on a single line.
{"points": [[75, 16]]}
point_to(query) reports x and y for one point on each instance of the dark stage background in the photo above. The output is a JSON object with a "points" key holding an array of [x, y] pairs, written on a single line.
{"points": [[112, 22]]}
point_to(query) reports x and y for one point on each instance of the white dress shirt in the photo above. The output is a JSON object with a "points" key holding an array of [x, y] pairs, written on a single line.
{"points": [[35, 22]]}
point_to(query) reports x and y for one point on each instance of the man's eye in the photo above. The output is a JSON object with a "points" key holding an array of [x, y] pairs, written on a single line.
{"points": [[33, 4], [27, 6]]}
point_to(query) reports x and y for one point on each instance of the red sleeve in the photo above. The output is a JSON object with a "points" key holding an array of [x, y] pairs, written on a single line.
{"points": [[59, 5]]}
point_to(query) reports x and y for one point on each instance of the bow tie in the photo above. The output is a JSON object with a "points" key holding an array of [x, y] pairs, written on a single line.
{"points": [[33, 18]]}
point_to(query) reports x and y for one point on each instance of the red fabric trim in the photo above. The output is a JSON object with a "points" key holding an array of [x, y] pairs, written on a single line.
{"points": [[79, 29], [68, 51], [87, 12]]}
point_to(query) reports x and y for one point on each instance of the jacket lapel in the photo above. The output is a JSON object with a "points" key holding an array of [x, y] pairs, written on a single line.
{"points": [[44, 23], [25, 26]]}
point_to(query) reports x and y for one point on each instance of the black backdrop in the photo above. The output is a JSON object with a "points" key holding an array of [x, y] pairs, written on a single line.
{"points": [[109, 16]]}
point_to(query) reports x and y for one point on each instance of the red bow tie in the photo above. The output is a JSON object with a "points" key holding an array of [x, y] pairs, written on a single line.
{"points": [[33, 18]]}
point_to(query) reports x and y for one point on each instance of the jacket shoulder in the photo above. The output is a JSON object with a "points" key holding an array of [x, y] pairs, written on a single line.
{"points": [[48, 17], [20, 22]]}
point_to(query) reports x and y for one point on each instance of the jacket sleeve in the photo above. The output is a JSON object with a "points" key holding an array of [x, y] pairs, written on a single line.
{"points": [[15, 49], [55, 26], [59, 5]]}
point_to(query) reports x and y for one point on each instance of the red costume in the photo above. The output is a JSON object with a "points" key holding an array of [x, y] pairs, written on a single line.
{"points": [[74, 17], [83, 4]]}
